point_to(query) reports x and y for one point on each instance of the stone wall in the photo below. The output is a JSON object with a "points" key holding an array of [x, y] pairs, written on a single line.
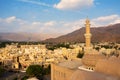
{"points": [[60, 73], [110, 66], [85, 75]]}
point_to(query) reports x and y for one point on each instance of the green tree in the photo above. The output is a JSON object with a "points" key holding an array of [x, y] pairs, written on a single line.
{"points": [[97, 48], [55, 46], [25, 78], [1, 71], [34, 70], [80, 54], [15, 78], [47, 70]]}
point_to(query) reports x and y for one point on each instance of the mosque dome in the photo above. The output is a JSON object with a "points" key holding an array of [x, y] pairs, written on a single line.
{"points": [[84, 75], [74, 64], [90, 60], [33, 78], [113, 58]]}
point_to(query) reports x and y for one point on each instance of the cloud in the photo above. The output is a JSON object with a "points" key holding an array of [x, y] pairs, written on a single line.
{"points": [[75, 24], [36, 2], [106, 20], [50, 23], [36, 23], [10, 19], [14, 24], [73, 4], [116, 21]]}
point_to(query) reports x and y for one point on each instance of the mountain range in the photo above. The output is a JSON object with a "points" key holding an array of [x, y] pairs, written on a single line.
{"points": [[24, 36], [110, 33]]}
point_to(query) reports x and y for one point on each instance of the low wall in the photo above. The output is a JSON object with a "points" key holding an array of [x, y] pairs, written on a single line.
{"points": [[60, 73], [110, 66]]}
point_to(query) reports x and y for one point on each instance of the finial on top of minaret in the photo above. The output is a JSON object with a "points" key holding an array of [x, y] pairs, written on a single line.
{"points": [[87, 20]]}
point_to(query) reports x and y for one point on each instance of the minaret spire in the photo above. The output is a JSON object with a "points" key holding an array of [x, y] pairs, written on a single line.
{"points": [[87, 34]]}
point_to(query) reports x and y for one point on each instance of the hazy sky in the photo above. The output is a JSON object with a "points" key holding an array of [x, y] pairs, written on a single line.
{"points": [[56, 16]]}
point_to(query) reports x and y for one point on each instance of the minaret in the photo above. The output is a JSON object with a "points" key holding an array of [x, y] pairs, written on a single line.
{"points": [[87, 35]]}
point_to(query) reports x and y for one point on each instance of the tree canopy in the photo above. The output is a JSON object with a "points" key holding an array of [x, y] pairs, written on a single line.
{"points": [[80, 54], [34, 70], [1, 71]]}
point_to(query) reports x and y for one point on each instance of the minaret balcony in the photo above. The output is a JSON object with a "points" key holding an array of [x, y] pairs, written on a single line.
{"points": [[88, 35]]}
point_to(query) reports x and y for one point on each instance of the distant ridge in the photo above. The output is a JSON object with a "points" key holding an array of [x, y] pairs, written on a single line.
{"points": [[23, 36], [109, 33]]}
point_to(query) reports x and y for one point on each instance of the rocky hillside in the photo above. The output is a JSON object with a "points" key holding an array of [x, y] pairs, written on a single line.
{"points": [[24, 36], [109, 33]]}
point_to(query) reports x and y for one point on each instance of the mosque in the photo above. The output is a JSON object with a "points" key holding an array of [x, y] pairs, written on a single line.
{"points": [[93, 66]]}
